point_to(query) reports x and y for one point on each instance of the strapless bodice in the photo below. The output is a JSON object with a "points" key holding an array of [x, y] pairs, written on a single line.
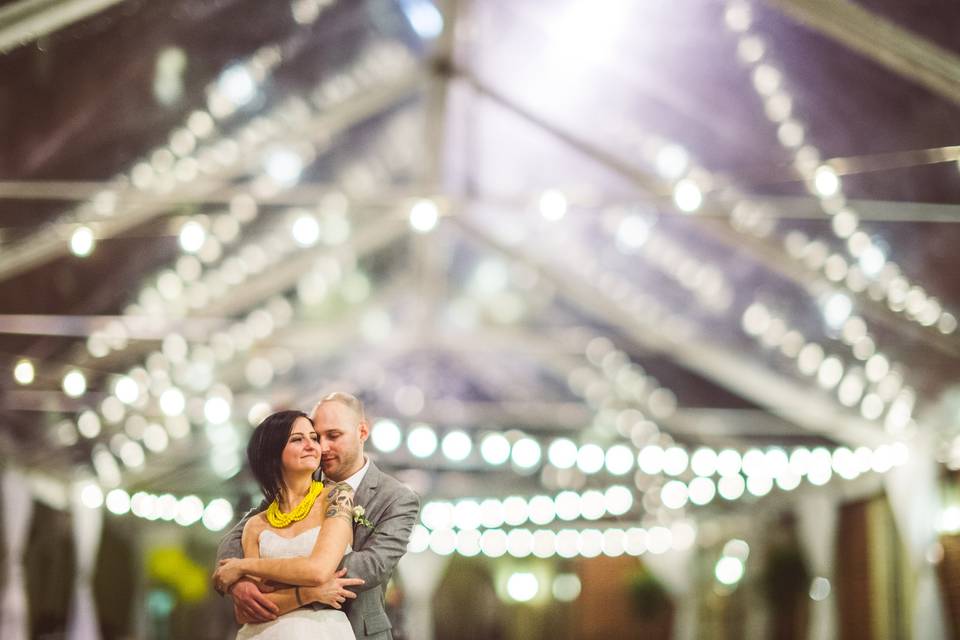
{"points": [[274, 545]]}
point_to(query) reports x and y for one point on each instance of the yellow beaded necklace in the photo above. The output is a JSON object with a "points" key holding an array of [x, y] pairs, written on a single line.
{"points": [[280, 519]]}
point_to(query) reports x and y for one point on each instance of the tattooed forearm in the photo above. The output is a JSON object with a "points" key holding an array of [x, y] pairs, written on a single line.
{"points": [[340, 501]]}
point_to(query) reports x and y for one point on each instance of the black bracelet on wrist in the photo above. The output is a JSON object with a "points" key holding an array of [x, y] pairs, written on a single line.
{"points": [[296, 592]]}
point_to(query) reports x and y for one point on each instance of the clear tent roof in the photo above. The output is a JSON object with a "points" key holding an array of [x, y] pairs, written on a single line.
{"points": [[688, 223]]}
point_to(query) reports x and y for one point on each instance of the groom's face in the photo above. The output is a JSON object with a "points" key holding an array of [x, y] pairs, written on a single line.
{"points": [[341, 434]]}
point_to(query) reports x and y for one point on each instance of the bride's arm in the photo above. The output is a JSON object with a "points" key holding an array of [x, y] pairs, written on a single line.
{"points": [[320, 566], [287, 598]]}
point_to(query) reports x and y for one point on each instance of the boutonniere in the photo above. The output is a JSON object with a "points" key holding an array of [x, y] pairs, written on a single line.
{"points": [[359, 517]]}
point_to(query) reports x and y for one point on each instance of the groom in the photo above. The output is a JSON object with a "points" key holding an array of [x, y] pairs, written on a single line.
{"points": [[389, 506]]}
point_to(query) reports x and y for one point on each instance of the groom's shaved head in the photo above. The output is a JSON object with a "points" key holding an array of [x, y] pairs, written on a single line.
{"points": [[349, 400], [342, 429]]}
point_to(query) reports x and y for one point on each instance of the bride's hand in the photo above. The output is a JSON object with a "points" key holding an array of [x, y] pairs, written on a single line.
{"points": [[229, 571]]}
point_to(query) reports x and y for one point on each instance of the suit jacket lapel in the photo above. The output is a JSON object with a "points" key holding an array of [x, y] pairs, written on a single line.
{"points": [[364, 497]]}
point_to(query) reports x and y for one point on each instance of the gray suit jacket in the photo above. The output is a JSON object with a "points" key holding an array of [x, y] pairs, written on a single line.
{"points": [[393, 509]]}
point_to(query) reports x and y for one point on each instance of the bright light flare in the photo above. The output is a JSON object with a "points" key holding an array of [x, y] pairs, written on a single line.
{"points": [[424, 215], [82, 242], [24, 372]]}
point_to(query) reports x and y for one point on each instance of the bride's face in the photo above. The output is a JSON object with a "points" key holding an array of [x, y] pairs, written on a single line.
{"points": [[301, 453]]}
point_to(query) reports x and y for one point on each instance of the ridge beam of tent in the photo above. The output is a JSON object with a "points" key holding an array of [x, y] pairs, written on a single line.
{"points": [[899, 50], [29, 20]]}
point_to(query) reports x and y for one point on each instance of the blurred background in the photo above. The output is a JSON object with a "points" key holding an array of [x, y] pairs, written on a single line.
{"points": [[652, 303]]}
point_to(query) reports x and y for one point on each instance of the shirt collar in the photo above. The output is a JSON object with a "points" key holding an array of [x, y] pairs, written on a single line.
{"points": [[355, 480]]}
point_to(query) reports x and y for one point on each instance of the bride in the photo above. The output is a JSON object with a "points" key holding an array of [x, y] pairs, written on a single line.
{"points": [[300, 539]]}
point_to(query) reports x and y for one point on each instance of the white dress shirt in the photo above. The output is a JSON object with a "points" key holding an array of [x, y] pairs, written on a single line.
{"points": [[355, 480]]}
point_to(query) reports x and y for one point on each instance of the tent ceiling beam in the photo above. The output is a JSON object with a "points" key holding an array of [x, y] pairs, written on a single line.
{"points": [[81, 326], [899, 50], [308, 194], [23, 22]]}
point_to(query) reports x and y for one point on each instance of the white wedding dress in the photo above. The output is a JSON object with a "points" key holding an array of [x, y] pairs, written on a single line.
{"points": [[305, 623]]}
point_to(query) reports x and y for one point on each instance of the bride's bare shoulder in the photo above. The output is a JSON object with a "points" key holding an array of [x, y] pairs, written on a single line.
{"points": [[255, 525]]}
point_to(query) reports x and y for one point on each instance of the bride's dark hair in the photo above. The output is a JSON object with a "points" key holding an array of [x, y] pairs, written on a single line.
{"points": [[266, 447]]}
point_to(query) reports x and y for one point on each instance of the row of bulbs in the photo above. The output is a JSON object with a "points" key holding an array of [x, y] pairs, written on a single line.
{"points": [[823, 181], [641, 306], [186, 511], [526, 453], [672, 162], [705, 281], [871, 274], [760, 473], [196, 238], [202, 237], [872, 386], [235, 87], [261, 322], [164, 370], [616, 381], [516, 511], [444, 540], [547, 543], [633, 232], [493, 542]]}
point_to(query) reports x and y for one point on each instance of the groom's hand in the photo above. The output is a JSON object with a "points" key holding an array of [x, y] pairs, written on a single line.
{"points": [[334, 592], [250, 604]]}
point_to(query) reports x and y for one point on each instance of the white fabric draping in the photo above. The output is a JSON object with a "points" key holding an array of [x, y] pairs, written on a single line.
{"points": [[17, 513], [420, 574], [914, 496], [817, 531], [674, 570], [82, 623]]}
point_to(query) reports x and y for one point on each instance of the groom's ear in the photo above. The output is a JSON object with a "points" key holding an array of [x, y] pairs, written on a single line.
{"points": [[364, 429]]}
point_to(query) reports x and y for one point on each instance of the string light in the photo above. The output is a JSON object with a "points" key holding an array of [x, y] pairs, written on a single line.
{"points": [[91, 496], [553, 205], [192, 236], [687, 196], [853, 384], [562, 453], [82, 242], [126, 390], [495, 449], [23, 372], [386, 435], [237, 85], [422, 441], [305, 229], [525, 453], [217, 514], [74, 383], [672, 161], [424, 215], [633, 234]]}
